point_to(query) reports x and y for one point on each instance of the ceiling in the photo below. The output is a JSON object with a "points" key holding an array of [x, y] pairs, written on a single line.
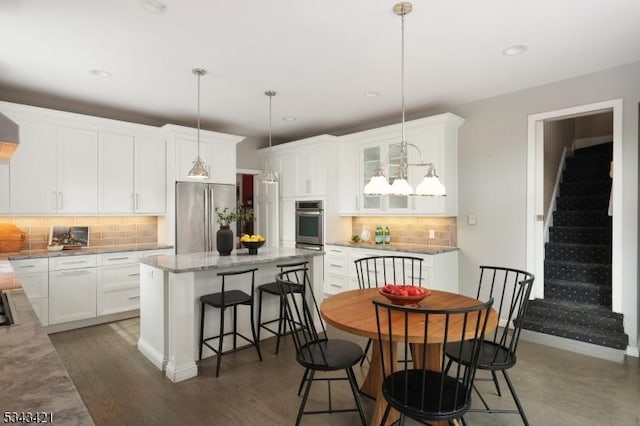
{"points": [[321, 57]]}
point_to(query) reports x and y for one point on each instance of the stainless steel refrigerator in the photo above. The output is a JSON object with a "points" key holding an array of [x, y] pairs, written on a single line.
{"points": [[196, 224]]}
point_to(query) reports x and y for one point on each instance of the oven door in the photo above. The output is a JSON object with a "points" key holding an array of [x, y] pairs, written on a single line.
{"points": [[309, 227]]}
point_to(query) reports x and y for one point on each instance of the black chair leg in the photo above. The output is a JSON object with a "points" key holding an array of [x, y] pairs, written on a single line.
{"points": [[281, 327], [364, 353], [259, 314], [515, 397], [385, 415], [304, 379], [463, 421], [446, 370], [201, 330], [219, 360], [235, 327], [256, 341], [305, 397], [356, 394], [495, 381]]}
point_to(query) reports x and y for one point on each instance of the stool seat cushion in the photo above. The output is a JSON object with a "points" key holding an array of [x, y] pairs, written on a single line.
{"points": [[329, 354], [272, 288], [231, 297]]}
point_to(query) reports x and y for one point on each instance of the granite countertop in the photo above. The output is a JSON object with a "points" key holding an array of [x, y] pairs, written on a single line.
{"points": [[33, 376], [35, 254], [204, 261], [408, 248]]}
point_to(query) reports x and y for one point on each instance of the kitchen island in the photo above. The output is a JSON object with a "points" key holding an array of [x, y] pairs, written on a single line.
{"points": [[170, 289]]}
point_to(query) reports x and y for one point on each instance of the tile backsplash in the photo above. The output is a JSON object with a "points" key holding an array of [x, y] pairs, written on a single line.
{"points": [[104, 231], [412, 230]]}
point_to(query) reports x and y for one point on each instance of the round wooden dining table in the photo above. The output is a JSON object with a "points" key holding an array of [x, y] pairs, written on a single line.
{"points": [[353, 311]]}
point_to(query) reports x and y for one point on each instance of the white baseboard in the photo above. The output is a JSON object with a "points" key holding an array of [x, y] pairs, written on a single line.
{"points": [[72, 325], [596, 351], [152, 354], [179, 373], [631, 351]]}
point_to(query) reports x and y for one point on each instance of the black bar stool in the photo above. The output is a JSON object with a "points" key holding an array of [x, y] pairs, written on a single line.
{"points": [[223, 300], [273, 289]]}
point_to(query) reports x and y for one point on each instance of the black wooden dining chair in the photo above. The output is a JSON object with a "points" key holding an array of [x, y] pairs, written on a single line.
{"points": [[511, 288], [314, 350], [376, 271], [420, 389]]}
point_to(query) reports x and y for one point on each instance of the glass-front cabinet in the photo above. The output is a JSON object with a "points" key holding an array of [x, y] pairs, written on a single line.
{"points": [[389, 154]]}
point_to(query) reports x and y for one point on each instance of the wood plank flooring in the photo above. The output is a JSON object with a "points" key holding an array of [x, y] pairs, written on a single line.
{"points": [[120, 387]]}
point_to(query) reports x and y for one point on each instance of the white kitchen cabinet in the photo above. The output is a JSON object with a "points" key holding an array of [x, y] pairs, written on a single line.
{"points": [[131, 174], [439, 271], [436, 138], [33, 170], [219, 157], [33, 275], [77, 170], [72, 289], [288, 222]]}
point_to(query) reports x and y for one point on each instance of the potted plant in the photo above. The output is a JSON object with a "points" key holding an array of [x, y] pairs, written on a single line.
{"points": [[224, 236]]}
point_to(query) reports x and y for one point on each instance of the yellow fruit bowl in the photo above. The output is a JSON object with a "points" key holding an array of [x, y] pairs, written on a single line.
{"points": [[253, 246]]}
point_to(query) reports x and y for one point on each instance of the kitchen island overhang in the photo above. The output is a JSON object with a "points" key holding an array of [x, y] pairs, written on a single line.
{"points": [[170, 289]]}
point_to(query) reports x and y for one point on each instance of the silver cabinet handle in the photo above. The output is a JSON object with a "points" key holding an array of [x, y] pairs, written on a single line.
{"points": [[336, 265], [137, 201], [61, 201], [27, 266], [133, 201], [134, 297], [134, 274], [119, 258], [76, 262], [54, 200], [77, 272]]}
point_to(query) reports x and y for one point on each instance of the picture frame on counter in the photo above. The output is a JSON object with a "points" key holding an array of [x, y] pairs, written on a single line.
{"points": [[69, 236]]}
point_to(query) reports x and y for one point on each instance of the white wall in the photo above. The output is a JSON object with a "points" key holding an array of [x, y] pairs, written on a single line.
{"points": [[492, 174]]}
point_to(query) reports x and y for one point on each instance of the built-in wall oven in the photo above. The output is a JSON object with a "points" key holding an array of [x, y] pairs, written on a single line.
{"points": [[309, 224]]}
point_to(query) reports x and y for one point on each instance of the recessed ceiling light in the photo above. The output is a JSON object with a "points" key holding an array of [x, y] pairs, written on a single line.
{"points": [[153, 6], [371, 94], [514, 50], [288, 118], [100, 73]]}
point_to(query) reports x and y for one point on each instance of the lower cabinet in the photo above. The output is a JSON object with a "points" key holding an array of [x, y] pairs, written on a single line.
{"points": [[118, 285], [72, 295], [34, 278], [439, 271]]}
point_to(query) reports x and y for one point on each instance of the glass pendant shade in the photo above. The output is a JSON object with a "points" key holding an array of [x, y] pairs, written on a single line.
{"points": [[269, 176], [400, 186], [198, 171], [378, 185], [431, 186]]}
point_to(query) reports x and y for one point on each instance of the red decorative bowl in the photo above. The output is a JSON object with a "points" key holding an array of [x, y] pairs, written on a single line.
{"points": [[405, 300]]}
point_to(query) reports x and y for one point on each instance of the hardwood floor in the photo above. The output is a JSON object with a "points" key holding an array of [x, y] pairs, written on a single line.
{"points": [[120, 387]]}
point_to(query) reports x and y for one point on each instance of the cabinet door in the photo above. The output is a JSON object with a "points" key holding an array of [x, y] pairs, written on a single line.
{"points": [[4, 187], [349, 190], [222, 157], [77, 172], [371, 156], [286, 167], [288, 221], [33, 170], [72, 295], [116, 173], [310, 175], [150, 175]]}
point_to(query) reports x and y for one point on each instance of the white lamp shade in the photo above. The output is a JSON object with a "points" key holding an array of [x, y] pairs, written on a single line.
{"points": [[378, 185], [431, 186], [400, 186]]}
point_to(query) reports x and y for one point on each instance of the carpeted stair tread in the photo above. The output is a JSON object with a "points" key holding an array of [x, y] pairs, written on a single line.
{"points": [[578, 291], [587, 253], [582, 202], [580, 234], [580, 160], [596, 273], [578, 174], [607, 338], [581, 218], [589, 187], [593, 316]]}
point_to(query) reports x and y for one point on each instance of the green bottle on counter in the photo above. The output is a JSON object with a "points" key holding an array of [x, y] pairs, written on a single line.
{"points": [[387, 235], [379, 235]]}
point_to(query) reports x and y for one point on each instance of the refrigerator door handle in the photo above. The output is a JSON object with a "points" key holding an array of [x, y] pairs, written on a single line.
{"points": [[210, 214], [206, 220]]}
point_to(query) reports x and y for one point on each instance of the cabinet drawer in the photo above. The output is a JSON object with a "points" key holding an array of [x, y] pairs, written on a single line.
{"points": [[35, 285], [118, 276], [72, 262], [28, 266], [118, 258], [114, 300], [335, 265], [334, 284], [335, 251]]}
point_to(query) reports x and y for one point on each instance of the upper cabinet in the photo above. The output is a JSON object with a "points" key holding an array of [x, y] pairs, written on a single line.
{"points": [[54, 170], [75, 164], [217, 150], [131, 174], [302, 166], [436, 139]]}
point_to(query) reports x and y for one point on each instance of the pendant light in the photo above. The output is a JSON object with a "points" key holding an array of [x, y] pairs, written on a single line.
{"points": [[269, 176], [430, 184], [198, 171]]}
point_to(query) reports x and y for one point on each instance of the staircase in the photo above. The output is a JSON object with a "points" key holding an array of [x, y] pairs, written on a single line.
{"points": [[577, 266]]}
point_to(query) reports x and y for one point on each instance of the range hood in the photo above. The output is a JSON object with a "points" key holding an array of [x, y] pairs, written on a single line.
{"points": [[9, 137]]}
